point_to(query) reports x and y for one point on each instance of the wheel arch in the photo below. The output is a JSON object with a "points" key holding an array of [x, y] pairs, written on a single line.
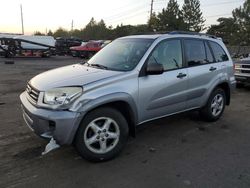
{"points": [[225, 86], [122, 102]]}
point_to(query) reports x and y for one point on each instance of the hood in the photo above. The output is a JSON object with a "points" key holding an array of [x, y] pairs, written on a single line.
{"points": [[243, 61], [73, 75]]}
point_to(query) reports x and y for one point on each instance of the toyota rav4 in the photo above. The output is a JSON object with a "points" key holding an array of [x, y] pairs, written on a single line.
{"points": [[96, 105]]}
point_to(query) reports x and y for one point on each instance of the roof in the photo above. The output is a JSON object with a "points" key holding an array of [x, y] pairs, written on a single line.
{"points": [[142, 36], [174, 34]]}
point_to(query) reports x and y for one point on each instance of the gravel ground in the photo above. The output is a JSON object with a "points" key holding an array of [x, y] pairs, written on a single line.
{"points": [[178, 151]]}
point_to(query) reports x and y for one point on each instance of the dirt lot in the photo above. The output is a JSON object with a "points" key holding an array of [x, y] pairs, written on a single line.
{"points": [[179, 151]]}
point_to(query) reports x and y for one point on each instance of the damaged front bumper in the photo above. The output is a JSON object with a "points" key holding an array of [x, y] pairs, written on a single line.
{"points": [[59, 125]]}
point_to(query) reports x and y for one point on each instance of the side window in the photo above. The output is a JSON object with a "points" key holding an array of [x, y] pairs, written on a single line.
{"points": [[210, 58], [169, 54], [219, 54], [195, 52]]}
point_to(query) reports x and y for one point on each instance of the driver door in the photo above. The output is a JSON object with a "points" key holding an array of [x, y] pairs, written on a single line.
{"points": [[164, 94]]}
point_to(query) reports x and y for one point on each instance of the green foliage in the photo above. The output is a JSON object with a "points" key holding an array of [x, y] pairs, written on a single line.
{"points": [[192, 15], [234, 30], [50, 33], [169, 19], [61, 33], [226, 29], [242, 19], [38, 33], [95, 30]]}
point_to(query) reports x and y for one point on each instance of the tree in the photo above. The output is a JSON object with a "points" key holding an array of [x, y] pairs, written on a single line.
{"points": [[153, 22], [50, 33], [234, 30], [61, 33], [227, 29], [192, 15], [38, 33], [96, 30], [242, 18], [170, 18]]}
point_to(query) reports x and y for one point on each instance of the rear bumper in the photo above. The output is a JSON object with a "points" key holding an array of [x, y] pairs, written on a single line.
{"points": [[61, 125]]}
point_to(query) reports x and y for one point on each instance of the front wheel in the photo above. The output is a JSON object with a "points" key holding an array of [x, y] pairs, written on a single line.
{"points": [[215, 105], [102, 134]]}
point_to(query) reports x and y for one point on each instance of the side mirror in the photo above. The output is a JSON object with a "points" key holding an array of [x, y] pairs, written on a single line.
{"points": [[154, 69]]}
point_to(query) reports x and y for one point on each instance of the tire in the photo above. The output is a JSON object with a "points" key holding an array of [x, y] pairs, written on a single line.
{"points": [[218, 100], [92, 137]]}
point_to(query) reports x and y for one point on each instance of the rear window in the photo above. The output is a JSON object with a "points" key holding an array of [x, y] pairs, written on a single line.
{"points": [[210, 58], [219, 54]]}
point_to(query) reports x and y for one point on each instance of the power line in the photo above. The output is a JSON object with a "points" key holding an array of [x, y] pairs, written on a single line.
{"points": [[219, 15], [223, 3], [115, 16], [128, 16]]}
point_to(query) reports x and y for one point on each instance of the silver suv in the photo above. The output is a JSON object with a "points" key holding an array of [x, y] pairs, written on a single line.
{"points": [[96, 105]]}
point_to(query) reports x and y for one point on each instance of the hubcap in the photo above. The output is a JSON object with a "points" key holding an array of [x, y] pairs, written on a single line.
{"points": [[217, 105], [101, 135]]}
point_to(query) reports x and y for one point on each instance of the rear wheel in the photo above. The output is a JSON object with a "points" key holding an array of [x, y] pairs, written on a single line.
{"points": [[215, 105], [102, 134]]}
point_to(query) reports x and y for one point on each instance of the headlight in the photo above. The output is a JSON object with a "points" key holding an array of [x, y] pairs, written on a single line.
{"points": [[61, 97]]}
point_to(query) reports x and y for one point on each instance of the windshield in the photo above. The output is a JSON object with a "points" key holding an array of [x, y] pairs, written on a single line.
{"points": [[122, 54]]}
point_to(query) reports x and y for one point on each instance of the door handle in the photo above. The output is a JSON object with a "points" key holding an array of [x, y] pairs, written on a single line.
{"points": [[212, 69], [181, 75]]}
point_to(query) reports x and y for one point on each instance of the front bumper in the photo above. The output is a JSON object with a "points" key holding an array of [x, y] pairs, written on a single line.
{"points": [[61, 125], [242, 78]]}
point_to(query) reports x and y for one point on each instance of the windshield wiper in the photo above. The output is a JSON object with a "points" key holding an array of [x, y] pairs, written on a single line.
{"points": [[85, 63], [98, 65]]}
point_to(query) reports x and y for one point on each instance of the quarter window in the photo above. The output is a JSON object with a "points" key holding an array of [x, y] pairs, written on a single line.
{"points": [[219, 54], [169, 54], [195, 52]]}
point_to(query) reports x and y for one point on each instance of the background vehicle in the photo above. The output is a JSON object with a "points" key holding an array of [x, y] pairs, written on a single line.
{"points": [[63, 45], [133, 80], [242, 71], [25, 45], [87, 50]]}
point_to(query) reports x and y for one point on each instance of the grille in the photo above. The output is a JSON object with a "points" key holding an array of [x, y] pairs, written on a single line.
{"points": [[246, 66], [33, 93], [245, 71]]}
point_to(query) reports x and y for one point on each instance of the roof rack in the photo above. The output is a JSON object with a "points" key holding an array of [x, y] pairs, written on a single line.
{"points": [[191, 33]]}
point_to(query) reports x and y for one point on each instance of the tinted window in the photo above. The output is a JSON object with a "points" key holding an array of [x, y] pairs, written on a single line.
{"points": [[219, 54], [210, 58], [169, 54], [195, 52]]}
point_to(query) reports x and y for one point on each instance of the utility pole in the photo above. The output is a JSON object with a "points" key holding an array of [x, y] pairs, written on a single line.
{"points": [[151, 8], [72, 25], [22, 18]]}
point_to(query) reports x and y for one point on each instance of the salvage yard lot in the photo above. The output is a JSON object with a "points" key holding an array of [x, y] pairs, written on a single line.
{"points": [[178, 151]]}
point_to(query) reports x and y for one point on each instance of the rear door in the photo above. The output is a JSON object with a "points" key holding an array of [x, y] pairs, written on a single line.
{"points": [[202, 70], [221, 58], [161, 95]]}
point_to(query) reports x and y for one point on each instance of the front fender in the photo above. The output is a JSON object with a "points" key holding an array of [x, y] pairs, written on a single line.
{"points": [[109, 98], [86, 106]]}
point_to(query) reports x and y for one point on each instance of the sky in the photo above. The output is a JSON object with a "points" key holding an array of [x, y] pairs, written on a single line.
{"points": [[47, 15]]}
